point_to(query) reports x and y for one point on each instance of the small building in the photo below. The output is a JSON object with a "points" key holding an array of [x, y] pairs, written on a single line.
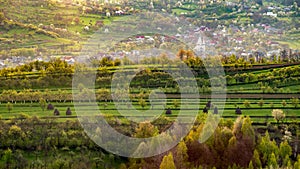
{"points": [[271, 14]]}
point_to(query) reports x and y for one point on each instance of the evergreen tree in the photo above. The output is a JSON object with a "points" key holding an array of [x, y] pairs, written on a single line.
{"points": [[232, 141], [286, 162], [285, 150], [167, 162], [247, 129], [181, 155], [272, 161], [256, 159], [7, 157], [250, 165], [267, 147], [237, 127], [297, 164]]}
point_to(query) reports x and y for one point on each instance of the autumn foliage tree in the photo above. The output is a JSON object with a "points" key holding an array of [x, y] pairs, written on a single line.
{"points": [[181, 54], [167, 162], [181, 156], [146, 130]]}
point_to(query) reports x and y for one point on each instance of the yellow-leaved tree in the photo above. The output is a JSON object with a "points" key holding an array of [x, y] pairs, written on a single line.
{"points": [[167, 162]]}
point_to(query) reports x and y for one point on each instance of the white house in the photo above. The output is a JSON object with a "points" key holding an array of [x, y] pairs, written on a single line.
{"points": [[271, 14]]}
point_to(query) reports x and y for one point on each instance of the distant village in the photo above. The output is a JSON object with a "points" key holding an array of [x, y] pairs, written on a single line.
{"points": [[253, 40]]}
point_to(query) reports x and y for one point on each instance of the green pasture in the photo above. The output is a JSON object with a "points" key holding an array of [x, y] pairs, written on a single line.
{"points": [[109, 109], [295, 88]]}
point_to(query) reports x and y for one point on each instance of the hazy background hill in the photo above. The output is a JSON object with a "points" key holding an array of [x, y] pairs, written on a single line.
{"points": [[42, 28]]}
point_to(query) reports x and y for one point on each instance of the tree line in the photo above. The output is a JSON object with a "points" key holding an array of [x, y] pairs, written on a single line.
{"points": [[65, 145]]}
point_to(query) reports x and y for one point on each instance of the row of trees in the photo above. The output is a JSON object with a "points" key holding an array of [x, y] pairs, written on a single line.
{"points": [[35, 96], [29, 95], [233, 62], [33, 82], [59, 73], [59, 66], [275, 77], [53, 66], [293, 101]]}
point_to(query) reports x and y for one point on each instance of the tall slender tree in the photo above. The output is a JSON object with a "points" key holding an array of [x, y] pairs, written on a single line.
{"points": [[167, 162], [42, 103], [9, 106]]}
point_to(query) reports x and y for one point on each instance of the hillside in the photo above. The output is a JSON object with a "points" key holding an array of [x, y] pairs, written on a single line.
{"points": [[46, 28]]}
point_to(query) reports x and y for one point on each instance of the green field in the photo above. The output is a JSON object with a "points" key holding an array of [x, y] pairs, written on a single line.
{"points": [[255, 111]]}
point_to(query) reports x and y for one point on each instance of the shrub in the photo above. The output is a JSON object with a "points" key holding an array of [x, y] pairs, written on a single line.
{"points": [[295, 102], [283, 103], [68, 112], [247, 104], [238, 111], [205, 110], [50, 107], [272, 105], [261, 103], [169, 111], [56, 112], [176, 103], [208, 104]]}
